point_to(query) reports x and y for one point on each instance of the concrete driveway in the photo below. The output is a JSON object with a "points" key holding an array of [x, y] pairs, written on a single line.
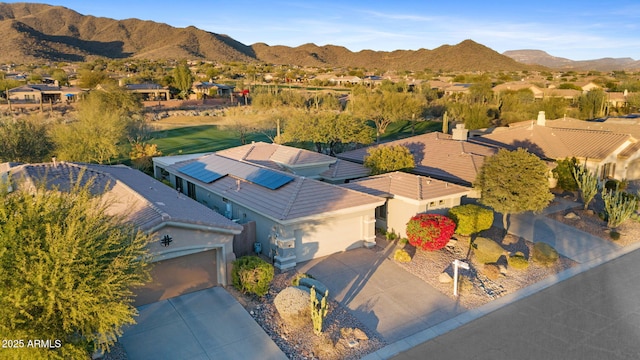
{"points": [[206, 324]]}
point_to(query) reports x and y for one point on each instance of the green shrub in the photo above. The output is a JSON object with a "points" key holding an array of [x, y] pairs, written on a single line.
{"points": [[252, 275], [564, 173], [401, 256], [617, 185], [390, 235], [471, 218], [486, 250], [518, 261], [403, 241], [544, 254], [614, 235]]}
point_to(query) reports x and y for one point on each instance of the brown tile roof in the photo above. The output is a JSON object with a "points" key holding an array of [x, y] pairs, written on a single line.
{"points": [[345, 170], [300, 198], [438, 156], [613, 125], [263, 153], [410, 186], [557, 143], [142, 199]]}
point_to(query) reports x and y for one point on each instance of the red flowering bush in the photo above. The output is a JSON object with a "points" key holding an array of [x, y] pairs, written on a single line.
{"points": [[430, 231]]}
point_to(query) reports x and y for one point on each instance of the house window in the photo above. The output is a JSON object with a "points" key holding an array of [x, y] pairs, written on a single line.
{"points": [[381, 212], [191, 190], [179, 186], [432, 204], [441, 202], [608, 171]]}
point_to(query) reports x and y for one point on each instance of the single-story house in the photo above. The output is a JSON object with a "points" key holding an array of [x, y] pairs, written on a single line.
{"points": [[149, 91], [191, 247], [204, 89], [407, 195], [441, 156], [297, 218], [609, 150], [43, 93], [538, 93], [297, 161]]}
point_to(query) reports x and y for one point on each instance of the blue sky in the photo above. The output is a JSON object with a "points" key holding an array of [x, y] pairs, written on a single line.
{"points": [[578, 30]]}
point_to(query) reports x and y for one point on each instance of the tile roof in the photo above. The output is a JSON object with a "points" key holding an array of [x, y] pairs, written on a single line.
{"points": [[345, 170], [613, 125], [438, 156], [262, 153], [142, 199], [300, 198], [557, 143], [410, 186]]}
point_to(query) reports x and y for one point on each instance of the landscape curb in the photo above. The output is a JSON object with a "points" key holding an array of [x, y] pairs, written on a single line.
{"points": [[473, 314]]}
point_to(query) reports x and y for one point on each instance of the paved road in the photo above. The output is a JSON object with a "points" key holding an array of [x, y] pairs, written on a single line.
{"points": [[593, 315]]}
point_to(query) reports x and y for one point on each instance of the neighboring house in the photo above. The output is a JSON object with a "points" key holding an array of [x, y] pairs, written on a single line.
{"points": [[441, 156], [407, 195], [609, 150], [200, 252], [457, 88], [617, 99], [568, 94], [297, 218], [587, 85], [204, 89], [42, 93], [538, 93], [297, 161], [149, 91]]}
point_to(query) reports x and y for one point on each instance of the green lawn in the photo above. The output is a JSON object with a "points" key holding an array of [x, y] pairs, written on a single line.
{"points": [[196, 139], [209, 138]]}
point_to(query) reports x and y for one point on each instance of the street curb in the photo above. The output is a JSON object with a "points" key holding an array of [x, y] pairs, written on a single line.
{"points": [[473, 314]]}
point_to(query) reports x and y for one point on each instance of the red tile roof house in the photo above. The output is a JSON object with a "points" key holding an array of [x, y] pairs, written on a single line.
{"points": [[201, 248], [407, 195], [610, 150], [297, 218]]}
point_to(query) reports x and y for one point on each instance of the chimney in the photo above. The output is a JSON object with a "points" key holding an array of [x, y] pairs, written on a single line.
{"points": [[55, 163], [541, 119], [460, 133]]}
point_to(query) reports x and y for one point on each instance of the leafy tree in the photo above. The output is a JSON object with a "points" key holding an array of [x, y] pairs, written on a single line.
{"points": [[183, 79], [61, 76], [385, 107], [142, 154], [513, 182], [564, 173], [387, 158], [106, 120], [89, 79], [24, 140], [592, 104], [328, 131], [587, 183], [66, 269]]}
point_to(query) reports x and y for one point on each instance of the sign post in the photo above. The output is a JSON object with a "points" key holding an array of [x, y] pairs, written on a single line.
{"points": [[457, 264]]}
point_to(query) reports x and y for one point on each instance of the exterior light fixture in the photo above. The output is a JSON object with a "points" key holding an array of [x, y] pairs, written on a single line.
{"points": [[166, 240]]}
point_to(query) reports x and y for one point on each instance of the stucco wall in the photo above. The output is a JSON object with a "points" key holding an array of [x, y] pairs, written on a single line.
{"points": [[400, 210], [188, 241]]}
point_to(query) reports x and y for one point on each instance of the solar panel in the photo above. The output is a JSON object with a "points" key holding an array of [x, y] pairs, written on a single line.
{"points": [[197, 171], [268, 178]]}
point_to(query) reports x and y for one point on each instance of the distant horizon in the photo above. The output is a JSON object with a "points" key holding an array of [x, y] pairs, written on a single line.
{"points": [[574, 30]]}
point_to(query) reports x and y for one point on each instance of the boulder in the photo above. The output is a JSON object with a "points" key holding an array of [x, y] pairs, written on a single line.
{"points": [[292, 304], [572, 216], [445, 278], [309, 283]]}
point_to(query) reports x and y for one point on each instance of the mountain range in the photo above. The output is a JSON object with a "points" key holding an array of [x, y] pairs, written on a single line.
{"points": [[539, 57], [44, 33]]}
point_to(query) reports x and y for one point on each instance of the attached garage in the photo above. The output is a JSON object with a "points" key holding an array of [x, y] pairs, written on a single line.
{"points": [[178, 276]]}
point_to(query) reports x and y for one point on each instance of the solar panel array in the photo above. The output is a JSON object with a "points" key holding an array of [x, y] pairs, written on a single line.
{"points": [[198, 171], [267, 178]]}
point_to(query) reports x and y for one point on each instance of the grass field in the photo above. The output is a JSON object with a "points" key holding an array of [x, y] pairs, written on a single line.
{"points": [[200, 138], [183, 137]]}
